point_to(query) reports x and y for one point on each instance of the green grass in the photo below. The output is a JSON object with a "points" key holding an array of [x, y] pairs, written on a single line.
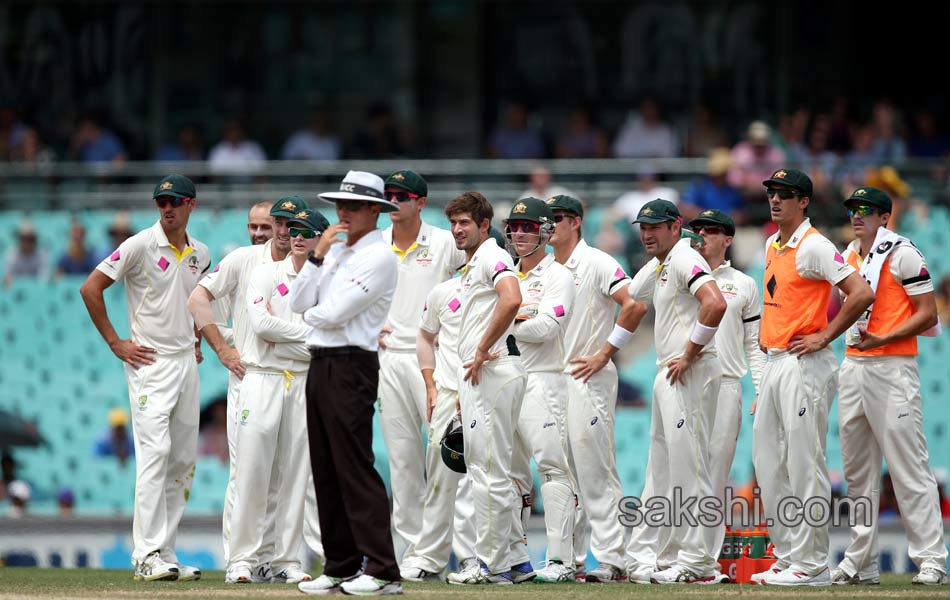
{"points": [[96, 584]]}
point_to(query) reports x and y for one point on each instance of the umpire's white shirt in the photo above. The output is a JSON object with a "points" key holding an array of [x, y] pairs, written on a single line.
{"points": [[158, 280], [278, 334], [489, 265], [596, 277], [442, 316], [346, 300], [678, 278], [431, 259], [547, 298]]}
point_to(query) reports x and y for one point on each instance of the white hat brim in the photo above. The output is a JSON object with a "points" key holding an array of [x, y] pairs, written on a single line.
{"points": [[332, 197]]}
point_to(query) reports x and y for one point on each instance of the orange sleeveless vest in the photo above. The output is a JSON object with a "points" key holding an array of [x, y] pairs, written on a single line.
{"points": [[891, 308], [792, 305]]}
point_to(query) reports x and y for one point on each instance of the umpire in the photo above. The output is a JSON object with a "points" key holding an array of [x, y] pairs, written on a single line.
{"points": [[344, 293]]}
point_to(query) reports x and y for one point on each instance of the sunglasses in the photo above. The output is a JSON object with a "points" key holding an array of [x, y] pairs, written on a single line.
{"points": [[351, 205], [862, 211], [713, 229], [783, 194], [401, 196], [307, 234], [524, 227], [163, 201]]}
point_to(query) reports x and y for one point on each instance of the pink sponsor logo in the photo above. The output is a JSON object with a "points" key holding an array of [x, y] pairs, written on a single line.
{"points": [[454, 304], [217, 268], [500, 266], [697, 270], [924, 272], [259, 299], [115, 256], [619, 273], [559, 311], [282, 289], [163, 263], [839, 258]]}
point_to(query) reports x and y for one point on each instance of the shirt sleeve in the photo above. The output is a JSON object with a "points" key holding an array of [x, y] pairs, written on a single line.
{"points": [[368, 278], [610, 275], [305, 289], [553, 311], [751, 320], [642, 284], [497, 267], [690, 272], [817, 258], [909, 267], [223, 278], [430, 311], [123, 260], [260, 288]]}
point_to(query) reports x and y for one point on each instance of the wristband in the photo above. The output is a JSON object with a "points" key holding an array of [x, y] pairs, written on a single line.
{"points": [[702, 334], [314, 260], [619, 337]]}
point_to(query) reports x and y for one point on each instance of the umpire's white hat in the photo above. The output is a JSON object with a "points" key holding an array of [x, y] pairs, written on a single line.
{"points": [[362, 186]]}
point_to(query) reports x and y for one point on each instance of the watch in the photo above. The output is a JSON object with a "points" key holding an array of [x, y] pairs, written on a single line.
{"points": [[316, 261]]}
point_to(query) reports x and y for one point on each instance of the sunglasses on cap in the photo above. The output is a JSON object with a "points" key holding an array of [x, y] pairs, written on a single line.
{"points": [[163, 201], [783, 194], [307, 234], [714, 229], [401, 196], [524, 226], [351, 205], [862, 210]]}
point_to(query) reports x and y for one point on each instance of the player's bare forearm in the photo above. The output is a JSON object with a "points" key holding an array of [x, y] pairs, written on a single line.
{"points": [[631, 311], [213, 336], [860, 297], [924, 317]]}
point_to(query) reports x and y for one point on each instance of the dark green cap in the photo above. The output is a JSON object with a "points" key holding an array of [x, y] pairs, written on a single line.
{"points": [[565, 202], [288, 207], [310, 219], [658, 211], [177, 186], [871, 196], [793, 178], [410, 181], [713, 216], [531, 209]]}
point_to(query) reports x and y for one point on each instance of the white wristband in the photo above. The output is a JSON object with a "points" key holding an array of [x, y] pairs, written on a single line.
{"points": [[619, 337], [702, 334]]}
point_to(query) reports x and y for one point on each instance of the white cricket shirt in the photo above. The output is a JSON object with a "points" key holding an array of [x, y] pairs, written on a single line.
{"points": [[489, 265], [547, 299], [737, 340], [278, 335], [442, 316], [679, 276]]}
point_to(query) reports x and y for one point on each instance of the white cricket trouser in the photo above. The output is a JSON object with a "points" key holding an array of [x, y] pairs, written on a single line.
{"points": [[271, 434], [431, 552], [723, 437], [879, 413], [541, 433], [402, 414], [590, 433], [234, 402], [489, 413], [463, 523], [788, 450], [165, 398]]}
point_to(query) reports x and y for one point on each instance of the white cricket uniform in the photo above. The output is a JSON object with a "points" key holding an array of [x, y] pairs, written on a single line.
{"points": [[879, 414], [442, 316], [547, 298], [165, 395], [592, 405], [682, 414], [431, 259], [490, 411], [790, 430], [272, 427]]}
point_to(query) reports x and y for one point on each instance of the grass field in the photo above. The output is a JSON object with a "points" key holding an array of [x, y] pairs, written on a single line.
{"points": [[94, 584]]}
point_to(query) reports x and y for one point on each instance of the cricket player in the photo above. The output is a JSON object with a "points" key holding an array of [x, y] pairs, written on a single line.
{"points": [[589, 342], [272, 426], [491, 387], [161, 266], [547, 298], [427, 255], [879, 409], [800, 380], [439, 363]]}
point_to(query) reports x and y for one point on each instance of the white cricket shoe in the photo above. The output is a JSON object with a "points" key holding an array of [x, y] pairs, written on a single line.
{"points": [[757, 578], [679, 575], [641, 574], [188, 573], [929, 576], [154, 568], [840, 577], [367, 585], [478, 574], [261, 573], [419, 575], [324, 584], [604, 573], [793, 576], [554, 571], [290, 575], [237, 575]]}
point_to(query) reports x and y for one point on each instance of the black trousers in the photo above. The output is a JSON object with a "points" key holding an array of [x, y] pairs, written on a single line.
{"points": [[351, 496]]}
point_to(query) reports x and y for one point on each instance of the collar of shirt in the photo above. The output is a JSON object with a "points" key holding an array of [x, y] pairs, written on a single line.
{"points": [[678, 247], [538, 268], [725, 265], [577, 255], [796, 237], [162, 240], [422, 239]]}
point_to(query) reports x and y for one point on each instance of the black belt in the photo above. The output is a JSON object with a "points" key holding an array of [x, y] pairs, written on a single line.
{"points": [[337, 351]]}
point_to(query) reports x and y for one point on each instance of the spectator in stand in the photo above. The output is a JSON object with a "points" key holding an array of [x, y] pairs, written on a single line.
{"points": [[754, 160], [514, 138], [541, 186], [713, 191], [188, 147], [618, 234], [235, 153], [381, 138], [116, 441], [927, 141], [858, 162], [704, 134], [29, 149], [316, 142], [119, 231], [841, 129], [646, 135], [213, 432], [20, 493], [65, 502], [11, 128], [792, 128], [816, 158], [889, 147], [582, 139], [888, 179], [943, 302], [78, 258], [26, 260], [92, 143]]}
